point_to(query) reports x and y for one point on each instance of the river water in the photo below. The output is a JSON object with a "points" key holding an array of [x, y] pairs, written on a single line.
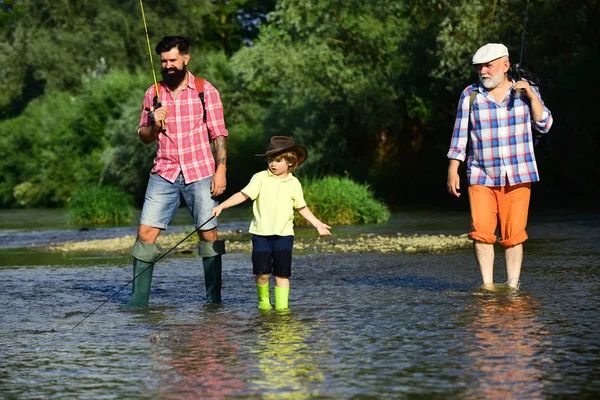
{"points": [[359, 326]]}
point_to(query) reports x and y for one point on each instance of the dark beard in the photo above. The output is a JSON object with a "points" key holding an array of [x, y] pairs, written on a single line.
{"points": [[173, 80]]}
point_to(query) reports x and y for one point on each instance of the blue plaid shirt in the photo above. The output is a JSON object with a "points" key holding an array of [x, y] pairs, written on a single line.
{"points": [[501, 136]]}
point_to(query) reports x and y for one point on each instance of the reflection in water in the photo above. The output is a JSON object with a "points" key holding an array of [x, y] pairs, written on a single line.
{"points": [[288, 364], [200, 362], [505, 350]]}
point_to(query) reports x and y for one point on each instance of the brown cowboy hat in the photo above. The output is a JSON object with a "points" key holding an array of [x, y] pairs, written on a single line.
{"points": [[283, 144]]}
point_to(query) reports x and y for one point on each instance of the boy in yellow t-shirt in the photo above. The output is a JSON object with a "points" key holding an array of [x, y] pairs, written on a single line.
{"points": [[276, 193]]}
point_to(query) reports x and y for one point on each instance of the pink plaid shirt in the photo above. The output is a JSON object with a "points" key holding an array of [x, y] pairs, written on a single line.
{"points": [[184, 145]]}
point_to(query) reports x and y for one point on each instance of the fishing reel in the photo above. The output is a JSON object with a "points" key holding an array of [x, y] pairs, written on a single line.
{"points": [[517, 73], [155, 104]]}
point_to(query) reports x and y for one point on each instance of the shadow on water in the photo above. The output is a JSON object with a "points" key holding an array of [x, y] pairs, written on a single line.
{"points": [[359, 326]]}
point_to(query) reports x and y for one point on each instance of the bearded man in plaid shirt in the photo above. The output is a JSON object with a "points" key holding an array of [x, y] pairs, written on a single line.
{"points": [[184, 167], [493, 133]]}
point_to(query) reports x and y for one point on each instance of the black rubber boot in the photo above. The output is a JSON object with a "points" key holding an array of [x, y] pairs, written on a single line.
{"points": [[211, 261], [144, 255]]}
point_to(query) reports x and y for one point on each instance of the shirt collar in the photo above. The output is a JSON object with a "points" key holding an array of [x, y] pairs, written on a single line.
{"points": [[272, 175], [484, 91], [191, 80]]}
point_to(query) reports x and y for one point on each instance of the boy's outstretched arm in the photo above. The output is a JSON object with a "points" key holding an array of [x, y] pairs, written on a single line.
{"points": [[234, 200], [314, 221]]}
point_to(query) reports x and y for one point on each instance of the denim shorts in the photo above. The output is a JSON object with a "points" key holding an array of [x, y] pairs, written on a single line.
{"points": [[163, 199], [272, 254]]}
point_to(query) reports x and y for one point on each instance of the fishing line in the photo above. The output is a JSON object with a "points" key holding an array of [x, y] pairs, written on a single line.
{"points": [[523, 34], [134, 278]]}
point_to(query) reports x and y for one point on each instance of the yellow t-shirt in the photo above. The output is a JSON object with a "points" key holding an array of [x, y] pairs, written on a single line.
{"points": [[274, 203]]}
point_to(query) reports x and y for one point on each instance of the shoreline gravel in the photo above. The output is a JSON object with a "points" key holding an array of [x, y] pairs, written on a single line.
{"points": [[236, 242]]}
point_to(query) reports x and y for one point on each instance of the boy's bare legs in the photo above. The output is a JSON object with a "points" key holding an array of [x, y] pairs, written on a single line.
{"points": [[282, 282], [514, 259], [262, 279], [484, 254]]}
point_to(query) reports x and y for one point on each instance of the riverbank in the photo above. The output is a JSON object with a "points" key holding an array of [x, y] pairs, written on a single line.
{"points": [[240, 242]]}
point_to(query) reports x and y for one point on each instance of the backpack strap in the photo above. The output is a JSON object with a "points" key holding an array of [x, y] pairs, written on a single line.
{"points": [[474, 93], [200, 88], [472, 99]]}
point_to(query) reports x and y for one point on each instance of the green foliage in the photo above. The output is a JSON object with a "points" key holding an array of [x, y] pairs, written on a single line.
{"points": [[29, 193], [341, 201], [58, 141], [244, 116], [127, 161], [93, 204], [34, 152], [370, 87], [336, 76], [52, 45]]}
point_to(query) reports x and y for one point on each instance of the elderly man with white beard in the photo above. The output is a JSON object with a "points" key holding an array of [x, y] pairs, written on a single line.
{"points": [[494, 135]]}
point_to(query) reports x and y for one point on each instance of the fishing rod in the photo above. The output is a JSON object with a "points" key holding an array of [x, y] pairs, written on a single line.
{"points": [[156, 101], [524, 31], [516, 71], [151, 265]]}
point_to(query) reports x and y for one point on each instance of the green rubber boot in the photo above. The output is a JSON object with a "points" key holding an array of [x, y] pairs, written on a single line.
{"points": [[281, 298], [264, 300], [211, 261], [144, 255]]}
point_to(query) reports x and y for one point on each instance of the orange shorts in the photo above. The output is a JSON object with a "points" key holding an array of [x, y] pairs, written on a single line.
{"points": [[508, 205]]}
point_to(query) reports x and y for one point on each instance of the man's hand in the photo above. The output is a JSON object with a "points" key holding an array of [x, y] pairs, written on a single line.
{"points": [[219, 182], [148, 134], [537, 109], [160, 115], [524, 86], [453, 181]]}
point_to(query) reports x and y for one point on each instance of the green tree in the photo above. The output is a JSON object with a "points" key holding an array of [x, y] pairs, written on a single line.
{"points": [[336, 75], [58, 142], [52, 45]]}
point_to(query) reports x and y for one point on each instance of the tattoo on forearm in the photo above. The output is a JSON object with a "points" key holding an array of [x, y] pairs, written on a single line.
{"points": [[221, 150]]}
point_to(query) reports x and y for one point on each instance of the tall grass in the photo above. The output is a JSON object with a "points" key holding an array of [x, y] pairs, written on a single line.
{"points": [[93, 204], [341, 201]]}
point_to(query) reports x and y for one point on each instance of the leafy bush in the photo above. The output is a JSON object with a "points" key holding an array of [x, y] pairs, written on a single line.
{"points": [[92, 204], [28, 193], [341, 201]]}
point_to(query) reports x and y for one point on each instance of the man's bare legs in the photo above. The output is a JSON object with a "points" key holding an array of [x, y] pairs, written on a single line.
{"points": [[484, 254], [514, 259], [147, 234]]}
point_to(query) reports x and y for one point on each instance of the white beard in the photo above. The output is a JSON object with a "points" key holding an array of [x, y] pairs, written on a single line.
{"points": [[493, 81]]}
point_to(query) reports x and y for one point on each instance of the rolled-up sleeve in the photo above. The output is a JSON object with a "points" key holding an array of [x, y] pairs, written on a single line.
{"points": [[214, 112], [544, 124], [460, 134]]}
